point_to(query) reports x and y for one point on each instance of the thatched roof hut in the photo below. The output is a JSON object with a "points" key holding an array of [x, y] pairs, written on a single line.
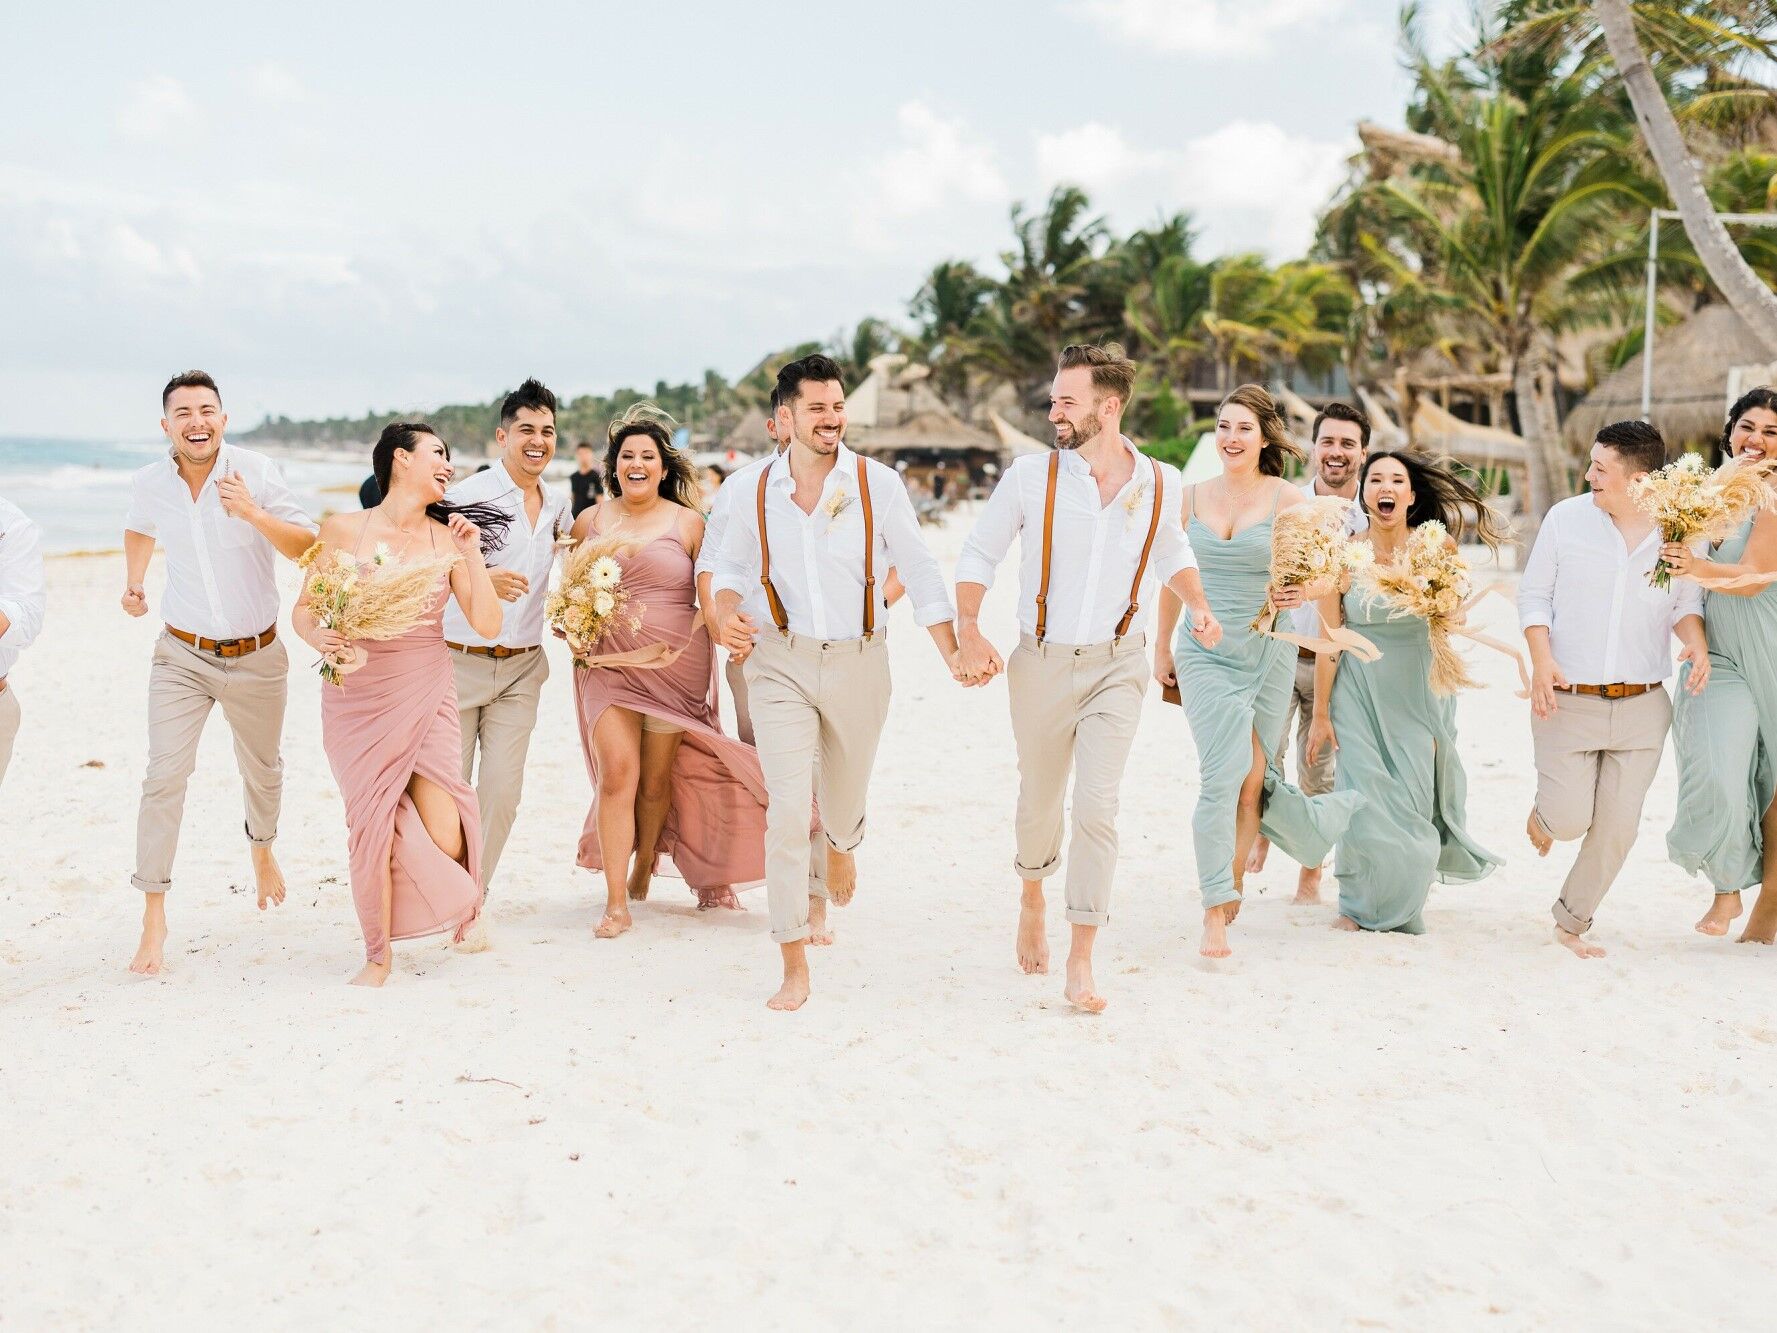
{"points": [[1693, 366]]}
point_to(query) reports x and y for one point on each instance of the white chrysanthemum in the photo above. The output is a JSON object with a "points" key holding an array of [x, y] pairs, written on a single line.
{"points": [[605, 573]]}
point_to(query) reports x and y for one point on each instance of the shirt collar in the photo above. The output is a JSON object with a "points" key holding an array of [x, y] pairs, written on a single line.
{"points": [[845, 463], [1070, 459], [223, 465]]}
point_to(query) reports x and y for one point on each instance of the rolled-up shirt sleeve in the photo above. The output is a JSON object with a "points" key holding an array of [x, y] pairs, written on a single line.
{"points": [[736, 564], [1536, 589], [141, 513], [1000, 521], [909, 556], [22, 595], [276, 500], [1172, 548]]}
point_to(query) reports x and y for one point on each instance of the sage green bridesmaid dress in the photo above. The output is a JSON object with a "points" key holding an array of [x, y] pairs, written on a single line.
{"points": [[1397, 749], [1239, 687], [1725, 737]]}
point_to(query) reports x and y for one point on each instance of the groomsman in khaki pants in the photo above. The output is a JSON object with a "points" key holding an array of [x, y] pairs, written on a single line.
{"points": [[21, 612], [499, 680], [223, 515], [1099, 531], [802, 557], [1600, 640]]}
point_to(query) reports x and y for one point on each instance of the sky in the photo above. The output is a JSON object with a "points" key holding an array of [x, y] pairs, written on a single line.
{"points": [[341, 207]]}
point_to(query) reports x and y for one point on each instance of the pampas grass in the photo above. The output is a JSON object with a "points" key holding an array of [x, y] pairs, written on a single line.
{"points": [[1428, 578], [377, 598], [590, 596], [1309, 550], [1689, 503]]}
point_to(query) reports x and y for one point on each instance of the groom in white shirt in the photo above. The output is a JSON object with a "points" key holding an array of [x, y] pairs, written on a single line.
{"points": [[1600, 649], [223, 515]]}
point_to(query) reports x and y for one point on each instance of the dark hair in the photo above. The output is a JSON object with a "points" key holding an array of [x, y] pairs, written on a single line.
{"points": [[584, 444], [1278, 447], [820, 369], [530, 394], [777, 400], [405, 436], [1440, 493], [1764, 396], [189, 379], [1639, 444], [1113, 373], [679, 480], [1342, 412]]}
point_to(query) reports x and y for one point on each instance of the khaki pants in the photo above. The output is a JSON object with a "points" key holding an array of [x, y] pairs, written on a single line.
{"points": [[1315, 779], [183, 686], [9, 725], [1074, 708], [497, 711], [1595, 759], [813, 703]]}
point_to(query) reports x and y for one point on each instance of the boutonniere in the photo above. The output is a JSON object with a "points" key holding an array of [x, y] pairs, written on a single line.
{"points": [[836, 505], [1137, 501]]}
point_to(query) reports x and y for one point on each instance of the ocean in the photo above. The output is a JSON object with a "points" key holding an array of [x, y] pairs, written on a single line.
{"points": [[78, 490]]}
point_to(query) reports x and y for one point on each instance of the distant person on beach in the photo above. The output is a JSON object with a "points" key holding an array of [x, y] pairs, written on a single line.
{"points": [[21, 611], [818, 671], [1341, 434], [587, 484], [222, 514], [1098, 532], [370, 495], [500, 679]]}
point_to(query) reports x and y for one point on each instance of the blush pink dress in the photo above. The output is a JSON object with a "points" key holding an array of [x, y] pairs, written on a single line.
{"points": [[715, 826], [392, 718]]}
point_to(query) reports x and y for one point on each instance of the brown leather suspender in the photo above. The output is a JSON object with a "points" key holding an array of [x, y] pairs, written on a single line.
{"points": [[1141, 567], [781, 617]]}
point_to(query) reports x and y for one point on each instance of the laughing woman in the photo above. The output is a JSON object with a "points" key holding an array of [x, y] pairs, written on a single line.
{"points": [[413, 829], [666, 781], [1237, 693], [1726, 737], [1396, 737]]}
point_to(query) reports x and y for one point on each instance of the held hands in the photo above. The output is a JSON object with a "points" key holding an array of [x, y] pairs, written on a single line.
{"points": [[975, 662], [237, 500], [1320, 737], [1205, 628], [466, 536], [736, 633], [1699, 660], [1545, 678], [509, 584], [134, 600]]}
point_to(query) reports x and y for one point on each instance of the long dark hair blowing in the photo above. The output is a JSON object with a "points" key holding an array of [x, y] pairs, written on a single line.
{"points": [[1279, 449], [678, 481], [1764, 396], [1440, 493], [405, 436]]}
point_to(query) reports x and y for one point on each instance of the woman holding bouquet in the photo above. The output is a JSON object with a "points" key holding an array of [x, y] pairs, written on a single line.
{"points": [[666, 781], [390, 725], [1393, 719], [1726, 737], [1236, 694]]}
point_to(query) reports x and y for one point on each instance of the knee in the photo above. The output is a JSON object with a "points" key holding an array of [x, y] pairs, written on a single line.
{"points": [[1095, 811], [656, 786], [1252, 792], [619, 779]]}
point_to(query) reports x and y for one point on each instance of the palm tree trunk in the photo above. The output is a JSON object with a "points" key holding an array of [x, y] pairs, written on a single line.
{"points": [[1533, 389], [1727, 267]]}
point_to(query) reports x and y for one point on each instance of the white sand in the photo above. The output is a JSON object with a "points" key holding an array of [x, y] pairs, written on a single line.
{"points": [[1325, 1131]]}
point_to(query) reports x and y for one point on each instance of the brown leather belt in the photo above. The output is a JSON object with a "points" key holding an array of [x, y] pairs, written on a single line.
{"points": [[491, 650], [225, 647], [1617, 691]]}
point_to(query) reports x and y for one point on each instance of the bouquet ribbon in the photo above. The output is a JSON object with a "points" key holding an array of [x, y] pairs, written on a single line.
{"points": [[1487, 641], [649, 657]]}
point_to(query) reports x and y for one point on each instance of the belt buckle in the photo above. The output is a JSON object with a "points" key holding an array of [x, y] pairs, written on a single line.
{"points": [[222, 645], [1616, 690]]}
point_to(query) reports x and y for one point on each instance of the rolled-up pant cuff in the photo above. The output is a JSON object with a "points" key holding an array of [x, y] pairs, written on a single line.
{"points": [[790, 936], [150, 885], [1039, 872], [1216, 897], [1079, 917], [853, 846], [1568, 921]]}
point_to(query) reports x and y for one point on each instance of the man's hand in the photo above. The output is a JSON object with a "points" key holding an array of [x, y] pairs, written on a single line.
{"points": [[509, 584], [237, 500], [736, 634], [1699, 660], [1163, 668], [1205, 628], [977, 662], [1545, 679], [135, 600]]}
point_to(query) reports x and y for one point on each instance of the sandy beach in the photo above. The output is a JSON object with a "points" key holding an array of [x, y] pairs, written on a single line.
{"points": [[1470, 1127]]}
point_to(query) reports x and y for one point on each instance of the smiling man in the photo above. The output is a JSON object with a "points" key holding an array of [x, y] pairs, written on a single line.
{"points": [[222, 515], [499, 680]]}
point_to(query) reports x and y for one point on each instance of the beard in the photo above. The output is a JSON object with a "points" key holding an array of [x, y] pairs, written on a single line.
{"points": [[1073, 434]]}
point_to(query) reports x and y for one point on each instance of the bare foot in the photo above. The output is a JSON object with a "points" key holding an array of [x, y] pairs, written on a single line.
{"points": [[1308, 887], [1345, 923], [710, 899], [1233, 909], [641, 879], [147, 961], [1761, 924], [1720, 914], [842, 875], [1080, 991], [1577, 945], [1033, 938], [1255, 859], [374, 974], [474, 938], [612, 924], [267, 875], [819, 932], [1215, 933], [793, 994], [1538, 835]]}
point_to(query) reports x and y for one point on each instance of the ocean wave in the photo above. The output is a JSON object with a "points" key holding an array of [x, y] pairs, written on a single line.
{"points": [[66, 477]]}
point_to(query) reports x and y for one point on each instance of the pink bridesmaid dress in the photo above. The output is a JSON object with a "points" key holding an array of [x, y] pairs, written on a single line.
{"points": [[715, 826], [392, 718]]}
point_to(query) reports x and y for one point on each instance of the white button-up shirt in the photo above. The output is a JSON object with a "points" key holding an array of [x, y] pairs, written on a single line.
{"points": [[529, 550], [1607, 624], [220, 581], [1305, 619], [1095, 547], [739, 487], [817, 560], [21, 584]]}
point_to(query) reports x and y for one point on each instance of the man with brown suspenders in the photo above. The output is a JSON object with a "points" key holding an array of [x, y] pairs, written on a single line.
{"points": [[1110, 531], [805, 554]]}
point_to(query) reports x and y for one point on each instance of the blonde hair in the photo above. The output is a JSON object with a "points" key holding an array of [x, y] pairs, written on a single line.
{"points": [[1279, 448]]}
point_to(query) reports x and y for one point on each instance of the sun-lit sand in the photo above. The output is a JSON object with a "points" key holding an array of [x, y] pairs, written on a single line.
{"points": [[1471, 1128]]}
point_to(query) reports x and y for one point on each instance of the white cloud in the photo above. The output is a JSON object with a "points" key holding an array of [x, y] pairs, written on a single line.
{"points": [[273, 83], [1204, 27], [133, 255], [1095, 156], [155, 107], [936, 164]]}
